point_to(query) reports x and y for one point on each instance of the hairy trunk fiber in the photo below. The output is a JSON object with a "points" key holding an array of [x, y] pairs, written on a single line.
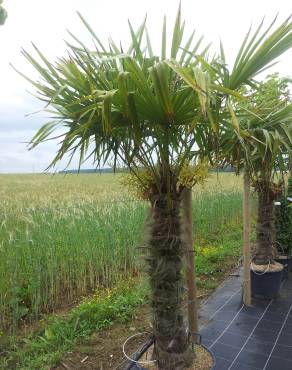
{"points": [[166, 249], [190, 265], [265, 226]]}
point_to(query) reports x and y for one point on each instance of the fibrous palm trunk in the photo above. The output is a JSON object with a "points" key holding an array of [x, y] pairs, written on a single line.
{"points": [[265, 228], [172, 348]]}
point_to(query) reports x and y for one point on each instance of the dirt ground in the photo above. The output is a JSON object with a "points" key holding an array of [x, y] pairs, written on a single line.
{"points": [[104, 349]]}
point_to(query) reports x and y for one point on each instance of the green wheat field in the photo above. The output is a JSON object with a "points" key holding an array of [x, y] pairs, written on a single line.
{"points": [[62, 235]]}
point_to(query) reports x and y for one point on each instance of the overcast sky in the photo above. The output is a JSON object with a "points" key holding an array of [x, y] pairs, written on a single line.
{"points": [[45, 23]]}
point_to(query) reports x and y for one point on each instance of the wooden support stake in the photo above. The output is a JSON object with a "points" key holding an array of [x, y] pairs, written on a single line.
{"points": [[190, 264], [246, 240]]}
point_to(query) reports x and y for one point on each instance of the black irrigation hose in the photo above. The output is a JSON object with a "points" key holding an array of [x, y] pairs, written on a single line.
{"points": [[140, 353]]}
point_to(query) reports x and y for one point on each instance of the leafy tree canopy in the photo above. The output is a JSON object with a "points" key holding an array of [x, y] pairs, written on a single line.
{"points": [[3, 14]]}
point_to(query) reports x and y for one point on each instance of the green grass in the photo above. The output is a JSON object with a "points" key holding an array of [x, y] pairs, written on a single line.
{"points": [[56, 256], [45, 347], [61, 236]]}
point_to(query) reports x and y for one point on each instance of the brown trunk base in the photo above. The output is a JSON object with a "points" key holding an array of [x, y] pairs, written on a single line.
{"points": [[202, 360], [173, 360]]}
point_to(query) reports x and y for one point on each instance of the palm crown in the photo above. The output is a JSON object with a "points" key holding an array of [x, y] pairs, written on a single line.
{"points": [[134, 106], [129, 106], [265, 126]]}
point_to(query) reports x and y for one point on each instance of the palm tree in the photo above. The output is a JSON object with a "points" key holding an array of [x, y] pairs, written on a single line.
{"points": [[130, 107], [255, 137], [138, 109], [265, 140]]}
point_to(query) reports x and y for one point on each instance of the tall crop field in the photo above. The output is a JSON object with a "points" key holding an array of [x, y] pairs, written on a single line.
{"points": [[61, 235]]}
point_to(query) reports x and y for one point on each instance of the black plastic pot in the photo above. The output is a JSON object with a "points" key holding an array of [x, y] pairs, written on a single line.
{"points": [[285, 261], [266, 285]]}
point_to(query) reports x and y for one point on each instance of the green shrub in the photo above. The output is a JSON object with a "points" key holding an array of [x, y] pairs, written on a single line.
{"points": [[284, 222]]}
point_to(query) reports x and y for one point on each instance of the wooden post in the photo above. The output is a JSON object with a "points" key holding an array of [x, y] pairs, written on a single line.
{"points": [[190, 264], [246, 240]]}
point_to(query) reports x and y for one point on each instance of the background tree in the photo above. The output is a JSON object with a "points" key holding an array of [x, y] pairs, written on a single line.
{"points": [[142, 110], [283, 217], [3, 14]]}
